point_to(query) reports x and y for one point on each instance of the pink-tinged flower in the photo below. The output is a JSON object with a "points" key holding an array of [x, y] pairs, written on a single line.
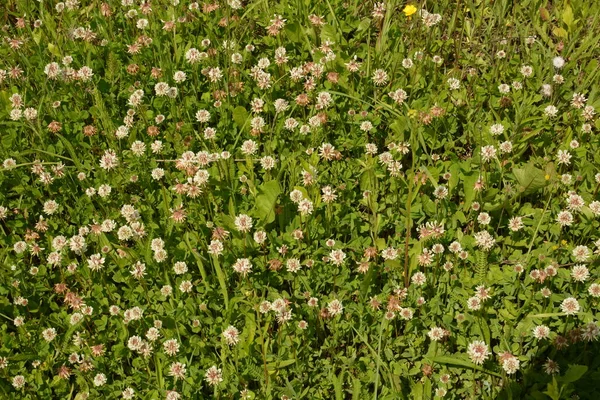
{"points": [[594, 290], [510, 363], [436, 333], [478, 352], [214, 376], [177, 370], [242, 266], [580, 273], [474, 303], [49, 334], [171, 347], [380, 77], [418, 279], [231, 335], [243, 223], [541, 332], [564, 218], [337, 257], [581, 253], [18, 381], [590, 332], [99, 380], [335, 307], [488, 153], [570, 306], [109, 160], [551, 367]]}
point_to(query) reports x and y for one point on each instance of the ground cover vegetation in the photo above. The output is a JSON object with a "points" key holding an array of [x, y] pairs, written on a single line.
{"points": [[293, 199]]}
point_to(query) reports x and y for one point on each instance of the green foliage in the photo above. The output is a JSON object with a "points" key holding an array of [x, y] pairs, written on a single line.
{"points": [[299, 200]]}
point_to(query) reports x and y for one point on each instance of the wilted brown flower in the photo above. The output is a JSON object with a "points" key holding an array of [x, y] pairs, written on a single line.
{"points": [[156, 72], [275, 265], [370, 252], [219, 233], [64, 372], [133, 69], [89, 130], [60, 288], [153, 131], [105, 10], [427, 370], [505, 102], [437, 111], [54, 126], [302, 100]]}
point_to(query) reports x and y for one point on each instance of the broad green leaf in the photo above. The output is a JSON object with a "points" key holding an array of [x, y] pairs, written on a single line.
{"points": [[567, 16], [250, 328], [266, 200], [240, 116], [53, 49], [417, 391], [457, 362], [338, 382], [273, 366], [560, 32], [529, 178], [71, 150], [356, 389], [552, 389], [573, 374], [469, 190], [293, 31]]}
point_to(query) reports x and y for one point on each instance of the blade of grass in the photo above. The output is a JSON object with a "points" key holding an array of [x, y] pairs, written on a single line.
{"points": [[457, 362], [70, 150], [378, 360]]}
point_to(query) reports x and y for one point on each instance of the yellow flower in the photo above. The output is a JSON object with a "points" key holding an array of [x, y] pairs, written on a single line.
{"points": [[412, 113], [409, 10], [563, 242], [547, 177]]}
